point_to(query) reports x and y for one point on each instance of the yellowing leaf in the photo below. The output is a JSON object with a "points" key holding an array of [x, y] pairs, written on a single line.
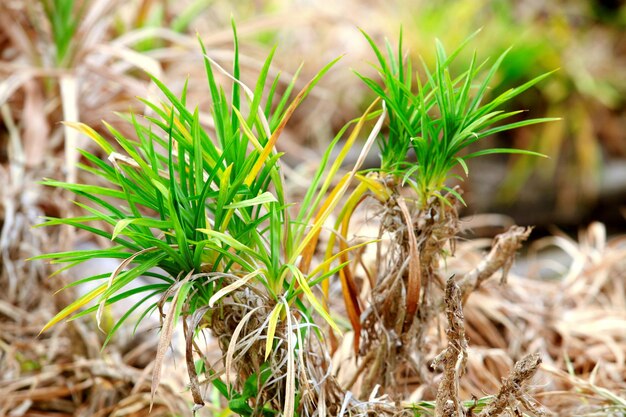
{"points": [[311, 297], [271, 329], [88, 131], [379, 189], [114, 275], [246, 131], [310, 240], [82, 301], [325, 266], [307, 246], [279, 129], [233, 286]]}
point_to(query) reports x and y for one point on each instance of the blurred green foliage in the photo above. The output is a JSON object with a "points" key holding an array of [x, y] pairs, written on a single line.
{"points": [[63, 16]]}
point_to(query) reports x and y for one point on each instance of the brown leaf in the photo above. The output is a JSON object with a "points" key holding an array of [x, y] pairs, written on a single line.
{"points": [[415, 279], [189, 329], [164, 341], [351, 300]]}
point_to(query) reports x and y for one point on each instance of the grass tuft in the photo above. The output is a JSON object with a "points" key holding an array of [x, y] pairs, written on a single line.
{"points": [[440, 115]]}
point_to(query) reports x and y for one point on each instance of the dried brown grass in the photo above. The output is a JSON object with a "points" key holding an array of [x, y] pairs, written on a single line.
{"points": [[575, 320], [566, 306]]}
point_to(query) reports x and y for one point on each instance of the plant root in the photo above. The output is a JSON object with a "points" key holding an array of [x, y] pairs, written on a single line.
{"points": [[405, 296], [296, 364]]}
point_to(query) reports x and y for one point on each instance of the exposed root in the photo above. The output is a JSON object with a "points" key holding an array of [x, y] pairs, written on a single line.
{"points": [[296, 364], [238, 325], [405, 298]]}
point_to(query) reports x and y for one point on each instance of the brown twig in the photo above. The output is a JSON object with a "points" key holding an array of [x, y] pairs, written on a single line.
{"points": [[501, 255], [454, 356], [512, 388], [189, 329]]}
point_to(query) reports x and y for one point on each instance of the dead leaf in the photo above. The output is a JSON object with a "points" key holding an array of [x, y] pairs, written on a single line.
{"points": [[164, 341]]}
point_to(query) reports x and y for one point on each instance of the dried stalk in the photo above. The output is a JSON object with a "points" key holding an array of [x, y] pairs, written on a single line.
{"points": [[502, 254], [454, 357], [513, 389]]}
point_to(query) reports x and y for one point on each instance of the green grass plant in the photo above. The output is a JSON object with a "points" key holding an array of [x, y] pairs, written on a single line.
{"points": [[439, 116], [205, 213]]}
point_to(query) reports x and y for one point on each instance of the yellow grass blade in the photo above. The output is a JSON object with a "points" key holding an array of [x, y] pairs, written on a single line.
{"points": [[271, 329], [233, 286], [267, 150], [187, 136], [348, 286], [348, 145], [92, 134], [379, 189], [81, 302], [246, 130], [290, 388], [114, 275], [310, 240], [325, 266], [307, 247], [306, 289], [183, 130]]}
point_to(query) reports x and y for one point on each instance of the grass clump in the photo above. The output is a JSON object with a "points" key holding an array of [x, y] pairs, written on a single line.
{"points": [[436, 118], [441, 117], [209, 221]]}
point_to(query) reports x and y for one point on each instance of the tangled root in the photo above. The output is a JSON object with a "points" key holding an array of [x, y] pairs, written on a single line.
{"points": [[403, 308]]}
